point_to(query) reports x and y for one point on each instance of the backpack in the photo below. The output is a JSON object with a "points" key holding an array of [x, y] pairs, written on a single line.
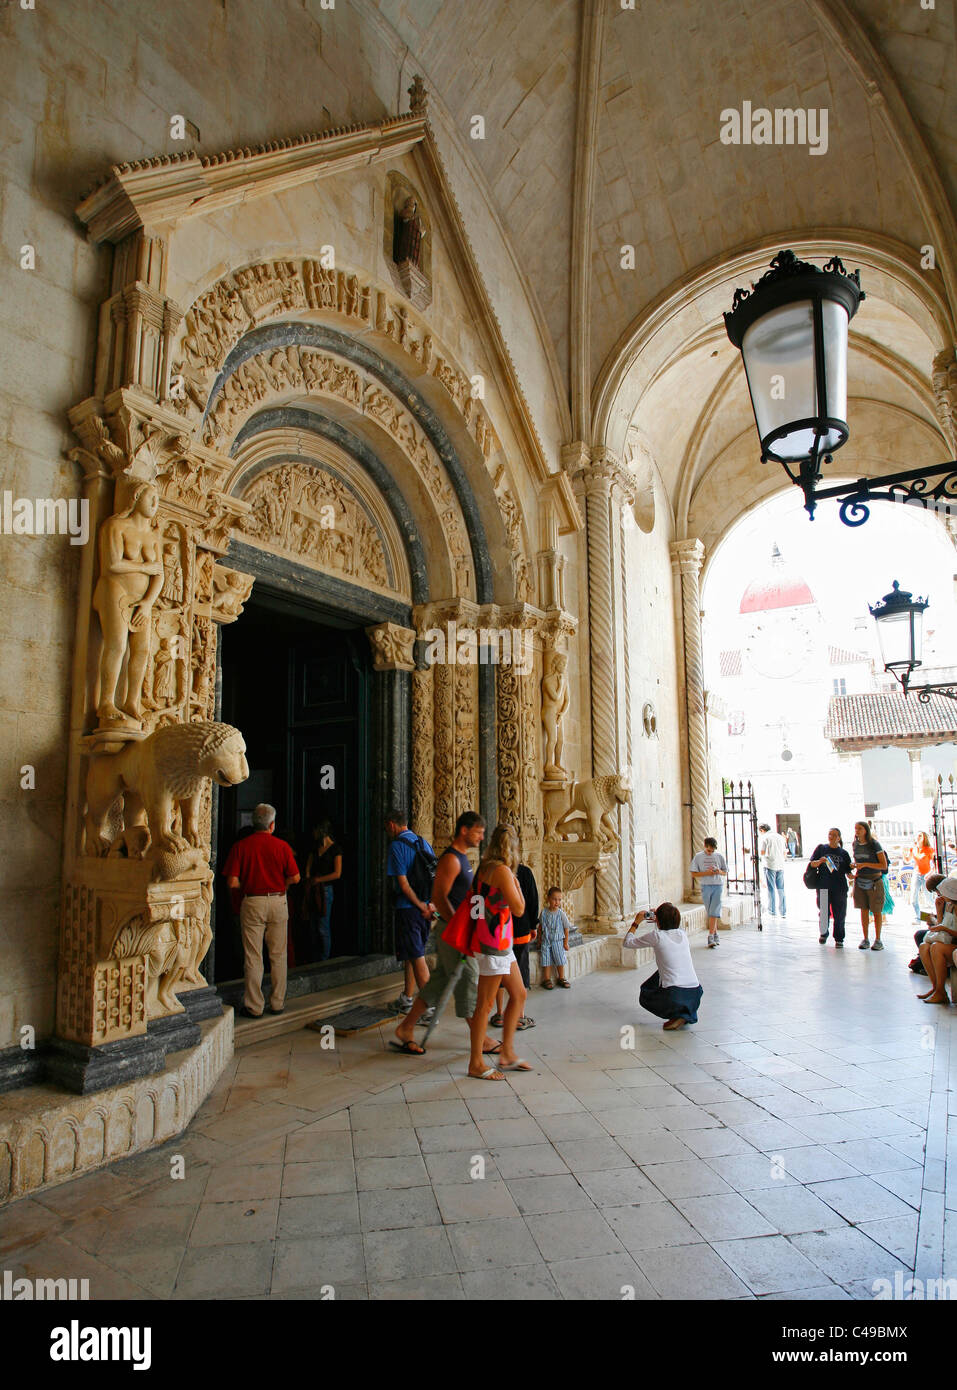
{"points": [[422, 870]]}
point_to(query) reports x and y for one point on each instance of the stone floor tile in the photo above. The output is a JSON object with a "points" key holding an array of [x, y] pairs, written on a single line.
{"points": [[314, 1261], [444, 1138], [385, 1143], [502, 1134], [814, 1163], [637, 1075], [28, 1221], [689, 1178], [870, 1156], [105, 1189], [529, 1160], [304, 1147], [553, 1103], [681, 1119], [906, 1183], [412, 1252], [235, 1223], [423, 1289], [225, 1271], [746, 1172], [846, 1254], [626, 1119], [724, 1216], [615, 1187], [381, 1115], [532, 1282], [860, 1199], [407, 1171], [690, 1272], [593, 1155], [898, 1235], [736, 1112], [602, 1277], [657, 1146], [826, 1293], [334, 1214], [570, 1235], [243, 1182], [793, 1209], [828, 1128], [457, 1166], [501, 1106], [393, 1209], [882, 1123], [153, 1270], [493, 1244], [438, 1112], [482, 1200], [650, 1225], [137, 1224], [768, 1264], [581, 1125], [535, 1196], [769, 1135]]}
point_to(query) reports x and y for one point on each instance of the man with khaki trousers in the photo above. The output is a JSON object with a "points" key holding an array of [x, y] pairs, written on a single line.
{"points": [[264, 868]]}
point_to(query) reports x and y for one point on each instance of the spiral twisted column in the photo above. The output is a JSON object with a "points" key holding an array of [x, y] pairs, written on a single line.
{"points": [[688, 556]]}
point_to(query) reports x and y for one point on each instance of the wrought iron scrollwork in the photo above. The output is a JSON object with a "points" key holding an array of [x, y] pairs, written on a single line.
{"points": [[933, 489]]}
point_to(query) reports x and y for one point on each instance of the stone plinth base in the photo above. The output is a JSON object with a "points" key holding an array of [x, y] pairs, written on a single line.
{"points": [[48, 1136]]}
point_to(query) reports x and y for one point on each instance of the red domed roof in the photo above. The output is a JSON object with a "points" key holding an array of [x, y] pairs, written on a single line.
{"points": [[782, 587]]}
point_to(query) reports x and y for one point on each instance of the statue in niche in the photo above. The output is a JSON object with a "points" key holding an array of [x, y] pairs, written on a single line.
{"points": [[165, 692], [172, 589], [407, 233], [554, 707], [131, 577]]}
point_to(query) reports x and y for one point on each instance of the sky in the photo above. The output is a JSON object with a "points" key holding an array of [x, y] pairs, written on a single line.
{"points": [[846, 568]]}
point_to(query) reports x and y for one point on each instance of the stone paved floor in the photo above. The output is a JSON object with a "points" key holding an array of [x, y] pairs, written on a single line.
{"points": [[777, 1150]]}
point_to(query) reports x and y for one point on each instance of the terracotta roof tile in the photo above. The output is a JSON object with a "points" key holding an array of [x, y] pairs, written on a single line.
{"points": [[880, 717]]}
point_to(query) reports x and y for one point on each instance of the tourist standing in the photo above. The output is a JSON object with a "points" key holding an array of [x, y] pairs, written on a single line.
{"points": [[525, 929], [792, 840], [502, 900], [923, 857], [411, 867], [451, 886], [263, 868], [870, 867], [833, 865], [773, 853], [711, 868], [555, 931], [323, 869], [674, 991]]}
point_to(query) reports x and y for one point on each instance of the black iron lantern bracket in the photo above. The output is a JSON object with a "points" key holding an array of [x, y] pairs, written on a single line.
{"points": [[924, 692], [914, 488]]}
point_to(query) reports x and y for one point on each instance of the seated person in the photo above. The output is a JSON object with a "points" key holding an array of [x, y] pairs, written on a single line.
{"points": [[937, 946]]}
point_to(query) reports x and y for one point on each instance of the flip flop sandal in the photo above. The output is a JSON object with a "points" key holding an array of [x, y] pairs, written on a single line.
{"points": [[547, 984], [524, 1023], [411, 1048], [496, 1021], [490, 1074], [518, 1065], [564, 984], [491, 1051]]}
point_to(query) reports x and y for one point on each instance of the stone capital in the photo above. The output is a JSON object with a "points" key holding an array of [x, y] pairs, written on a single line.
{"points": [[392, 647], [688, 555], [944, 379]]}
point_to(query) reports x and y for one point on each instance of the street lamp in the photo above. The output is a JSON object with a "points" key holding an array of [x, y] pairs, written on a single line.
{"points": [[791, 329], [900, 629]]}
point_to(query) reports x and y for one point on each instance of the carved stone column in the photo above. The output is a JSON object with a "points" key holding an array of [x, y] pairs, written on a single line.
{"points": [[423, 744], [944, 378], [916, 775], [688, 555], [602, 481], [393, 664]]}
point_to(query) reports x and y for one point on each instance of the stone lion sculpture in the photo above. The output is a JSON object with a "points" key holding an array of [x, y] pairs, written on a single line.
{"points": [[593, 802], [154, 776]]}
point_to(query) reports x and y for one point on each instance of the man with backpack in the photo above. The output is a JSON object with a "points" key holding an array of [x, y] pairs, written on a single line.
{"points": [[411, 867]]}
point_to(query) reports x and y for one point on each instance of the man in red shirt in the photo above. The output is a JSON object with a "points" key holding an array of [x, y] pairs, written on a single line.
{"points": [[263, 868]]}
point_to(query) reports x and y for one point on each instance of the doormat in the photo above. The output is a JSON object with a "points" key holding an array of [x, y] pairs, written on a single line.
{"points": [[355, 1020]]}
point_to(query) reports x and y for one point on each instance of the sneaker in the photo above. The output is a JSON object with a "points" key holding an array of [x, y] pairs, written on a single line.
{"points": [[711, 941], [865, 945], [717, 939], [402, 1005], [823, 938], [839, 945], [878, 946], [427, 1017]]}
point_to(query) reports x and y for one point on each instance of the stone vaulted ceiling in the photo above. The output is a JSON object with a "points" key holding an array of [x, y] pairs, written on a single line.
{"points": [[663, 181]]}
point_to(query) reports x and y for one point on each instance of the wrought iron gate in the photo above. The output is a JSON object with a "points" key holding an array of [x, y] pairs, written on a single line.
{"points": [[739, 827], [945, 825]]}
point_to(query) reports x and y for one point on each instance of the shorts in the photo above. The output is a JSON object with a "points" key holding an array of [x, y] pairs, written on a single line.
{"points": [[496, 965], [447, 962], [870, 899], [412, 930], [711, 897]]}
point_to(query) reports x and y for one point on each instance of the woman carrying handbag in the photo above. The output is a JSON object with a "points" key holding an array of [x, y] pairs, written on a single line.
{"points": [[828, 872]]}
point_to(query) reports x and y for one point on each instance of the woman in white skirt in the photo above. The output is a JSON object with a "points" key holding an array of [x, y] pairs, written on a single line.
{"points": [[497, 885]]}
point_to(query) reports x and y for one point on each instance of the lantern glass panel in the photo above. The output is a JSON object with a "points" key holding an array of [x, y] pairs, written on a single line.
{"points": [[900, 637], [779, 358]]}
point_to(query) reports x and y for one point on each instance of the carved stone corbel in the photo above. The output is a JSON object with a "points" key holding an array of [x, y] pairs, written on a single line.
{"points": [[392, 647]]}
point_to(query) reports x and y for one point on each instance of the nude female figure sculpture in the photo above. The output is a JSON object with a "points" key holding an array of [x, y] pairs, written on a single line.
{"points": [[131, 577], [554, 705]]}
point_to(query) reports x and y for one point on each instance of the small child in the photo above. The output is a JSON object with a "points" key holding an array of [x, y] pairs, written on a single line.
{"points": [[673, 991], [555, 929]]}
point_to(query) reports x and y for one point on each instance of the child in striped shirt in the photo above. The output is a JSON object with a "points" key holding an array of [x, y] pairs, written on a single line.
{"points": [[555, 929]]}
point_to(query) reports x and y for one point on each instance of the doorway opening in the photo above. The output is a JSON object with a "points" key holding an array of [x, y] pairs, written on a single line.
{"points": [[788, 822], [299, 687]]}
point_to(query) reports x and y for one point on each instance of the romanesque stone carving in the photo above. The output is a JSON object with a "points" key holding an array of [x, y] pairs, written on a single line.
{"points": [[555, 700], [589, 815], [392, 647], [423, 742], [231, 589], [313, 516], [131, 578], [219, 317], [154, 776], [944, 380]]}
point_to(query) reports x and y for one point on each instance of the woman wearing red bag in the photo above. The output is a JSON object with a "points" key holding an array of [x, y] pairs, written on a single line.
{"points": [[497, 896]]}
